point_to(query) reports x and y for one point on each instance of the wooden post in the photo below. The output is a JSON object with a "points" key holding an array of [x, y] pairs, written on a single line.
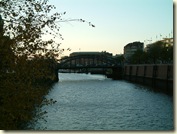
{"points": [[130, 72], [154, 76], [144, 75]]}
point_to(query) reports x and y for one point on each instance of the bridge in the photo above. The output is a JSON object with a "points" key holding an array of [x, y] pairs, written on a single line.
{"points": [[89, 61]]}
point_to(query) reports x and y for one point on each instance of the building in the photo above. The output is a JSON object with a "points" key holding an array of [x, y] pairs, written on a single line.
{"points": [[131, 48]]}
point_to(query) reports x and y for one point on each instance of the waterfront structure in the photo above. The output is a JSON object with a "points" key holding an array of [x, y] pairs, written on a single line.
{"points": [[93, 62], [86, 58], [131, 48], [91, 59], [157, 76]]}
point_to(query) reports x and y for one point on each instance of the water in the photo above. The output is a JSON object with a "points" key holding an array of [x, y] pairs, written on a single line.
{"points": [[93, 102]]}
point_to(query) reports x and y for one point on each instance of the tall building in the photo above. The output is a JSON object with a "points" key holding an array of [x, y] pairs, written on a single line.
{"points": [[131, 48]]}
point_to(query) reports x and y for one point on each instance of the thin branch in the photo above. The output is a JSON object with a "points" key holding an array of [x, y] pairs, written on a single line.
{"points": [[68, 20]]}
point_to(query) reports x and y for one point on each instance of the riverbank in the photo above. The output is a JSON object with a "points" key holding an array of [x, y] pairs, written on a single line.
{"points": [[157, 76], [24, 90], [19, 100]]}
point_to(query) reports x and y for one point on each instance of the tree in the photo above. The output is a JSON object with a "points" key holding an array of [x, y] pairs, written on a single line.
{"points": [[160, 52], [170, 54], [6, 54], [27, 21], [138, 57], [154, 52], [7, 58], [167, 53], [23, 24], [119, 58], [1, 26]]}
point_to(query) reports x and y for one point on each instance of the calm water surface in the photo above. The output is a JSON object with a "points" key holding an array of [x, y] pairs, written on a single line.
{"points": [[93, 102]]}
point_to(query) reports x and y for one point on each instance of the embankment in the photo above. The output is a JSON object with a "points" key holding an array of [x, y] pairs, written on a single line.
{"points": [[159, 77]]}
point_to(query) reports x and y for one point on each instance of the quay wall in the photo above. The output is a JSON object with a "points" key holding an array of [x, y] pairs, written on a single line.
{"points": [[157, 76]]}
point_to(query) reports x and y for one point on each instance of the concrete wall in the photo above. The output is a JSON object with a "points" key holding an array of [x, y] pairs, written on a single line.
{"points": [[160, 77]]}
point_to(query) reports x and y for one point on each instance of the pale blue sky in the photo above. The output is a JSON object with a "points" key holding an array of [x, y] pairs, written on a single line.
{"points": [[118, 22]]}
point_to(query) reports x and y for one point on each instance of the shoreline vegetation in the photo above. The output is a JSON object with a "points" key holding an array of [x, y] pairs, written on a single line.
{"points": [[23, 90], [28, 66]]}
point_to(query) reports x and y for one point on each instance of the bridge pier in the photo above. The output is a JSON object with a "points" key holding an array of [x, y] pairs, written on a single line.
{"points": [[116, 73]]}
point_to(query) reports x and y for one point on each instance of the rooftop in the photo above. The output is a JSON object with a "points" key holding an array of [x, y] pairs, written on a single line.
{"points": [[89, 53]]}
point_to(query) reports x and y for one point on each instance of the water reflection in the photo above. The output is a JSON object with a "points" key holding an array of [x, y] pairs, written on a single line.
{"points": [[93, 102]]}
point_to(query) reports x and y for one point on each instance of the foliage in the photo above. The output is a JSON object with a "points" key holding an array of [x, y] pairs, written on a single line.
{"points": [[7, 57], [138, 57], [154, 52], [26, 22], [23, 90], [27, 64], [158, 52], [119, 58]]}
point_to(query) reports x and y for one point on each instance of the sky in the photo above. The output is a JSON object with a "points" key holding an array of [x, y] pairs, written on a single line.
{"points": [[117, 23]]}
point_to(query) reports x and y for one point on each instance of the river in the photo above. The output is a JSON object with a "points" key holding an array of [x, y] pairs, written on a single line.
{"points": [[94, 102]]}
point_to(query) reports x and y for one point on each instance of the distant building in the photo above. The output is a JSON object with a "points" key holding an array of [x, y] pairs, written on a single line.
{"points": [[131, 48]]}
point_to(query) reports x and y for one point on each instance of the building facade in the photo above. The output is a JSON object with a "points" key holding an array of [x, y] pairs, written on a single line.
{"points": [[131, 48]]}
